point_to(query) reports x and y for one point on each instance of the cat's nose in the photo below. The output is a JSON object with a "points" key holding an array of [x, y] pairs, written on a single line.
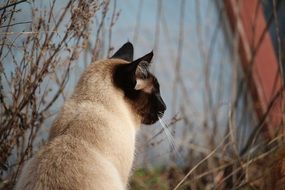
{"points": [[162, 106]]}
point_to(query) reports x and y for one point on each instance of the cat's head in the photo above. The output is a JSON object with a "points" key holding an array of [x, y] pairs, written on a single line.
{"points": [[139, 85]]}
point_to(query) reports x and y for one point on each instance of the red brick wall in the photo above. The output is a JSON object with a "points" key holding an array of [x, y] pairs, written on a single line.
{"points": [[258, 58]]}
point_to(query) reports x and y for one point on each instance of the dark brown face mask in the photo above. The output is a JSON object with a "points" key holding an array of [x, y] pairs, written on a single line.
{"points": [[140, 87]]}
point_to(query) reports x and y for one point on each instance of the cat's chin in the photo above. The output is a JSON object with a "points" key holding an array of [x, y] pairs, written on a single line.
{"points": [[152, 119], [150, 122]]}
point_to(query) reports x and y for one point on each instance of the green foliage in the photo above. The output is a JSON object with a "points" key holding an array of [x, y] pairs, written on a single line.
{"points": [[157, 178]]}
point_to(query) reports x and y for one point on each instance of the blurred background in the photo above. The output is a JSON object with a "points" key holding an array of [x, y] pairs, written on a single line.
{"points": [[220, 67]]}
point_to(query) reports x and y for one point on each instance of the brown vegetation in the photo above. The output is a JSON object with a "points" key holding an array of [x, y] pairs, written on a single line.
{"points": [[36, 57]]}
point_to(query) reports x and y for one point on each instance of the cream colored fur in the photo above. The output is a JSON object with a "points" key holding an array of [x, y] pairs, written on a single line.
{"points": [[92, 141]]}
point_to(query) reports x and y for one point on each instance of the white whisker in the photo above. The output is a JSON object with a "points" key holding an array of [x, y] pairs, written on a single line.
{"points": [[169, 137]]}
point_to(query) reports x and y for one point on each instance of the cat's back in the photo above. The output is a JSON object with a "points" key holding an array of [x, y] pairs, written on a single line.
{"points": [[78, 153], [67, 163]]}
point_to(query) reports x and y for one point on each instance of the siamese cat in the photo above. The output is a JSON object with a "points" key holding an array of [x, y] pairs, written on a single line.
{"points": [[92, 141]]}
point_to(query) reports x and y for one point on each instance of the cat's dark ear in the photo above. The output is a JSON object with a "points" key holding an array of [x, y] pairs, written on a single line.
{"points": [[142, 79], [141, 75], [140, 66], [147, 58], [126, 52], [135, 75]]}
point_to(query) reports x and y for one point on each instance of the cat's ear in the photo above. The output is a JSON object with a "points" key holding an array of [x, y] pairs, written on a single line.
{"points": [[126, 52], [140, 66], [147, 58], [142, 80], [145, 85], [135, 75], [141, 76]]}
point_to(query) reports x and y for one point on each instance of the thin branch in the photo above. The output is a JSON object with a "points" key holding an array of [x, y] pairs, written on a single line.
{"points": [[12, 4], [18, 23]]}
